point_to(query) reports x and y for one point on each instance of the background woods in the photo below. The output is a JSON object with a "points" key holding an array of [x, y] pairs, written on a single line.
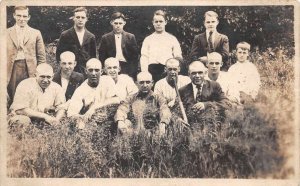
{"points": [[262, 26]]}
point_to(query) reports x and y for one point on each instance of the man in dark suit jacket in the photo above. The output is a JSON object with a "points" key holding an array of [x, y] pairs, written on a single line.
{"points": [[78, 40], [210, 41], [201, 93], [121, 45], [66, 77]]}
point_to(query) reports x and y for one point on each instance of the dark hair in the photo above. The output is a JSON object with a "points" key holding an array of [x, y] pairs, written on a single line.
{"points": [[80, 9], [21, 8], [161, 13], [117, 15]]}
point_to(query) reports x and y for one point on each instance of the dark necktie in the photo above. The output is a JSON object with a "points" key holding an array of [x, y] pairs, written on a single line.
{"points": [[210, 43], [199, 92]]}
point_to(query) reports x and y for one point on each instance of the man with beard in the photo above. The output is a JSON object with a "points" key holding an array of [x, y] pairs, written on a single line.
{"points": [[166, 86], [78, 40], [149, 110], [38, 99], [66, 77]]}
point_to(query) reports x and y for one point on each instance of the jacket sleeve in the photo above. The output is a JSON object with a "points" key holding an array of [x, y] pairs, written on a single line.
{"points": [[93, 49], [60, 46], [102, 50], [40, 49], [225, 48], [195, 52]]}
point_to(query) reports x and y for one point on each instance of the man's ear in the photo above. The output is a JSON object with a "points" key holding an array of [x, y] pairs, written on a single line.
{"points": [[29, 17], [221, 63]]}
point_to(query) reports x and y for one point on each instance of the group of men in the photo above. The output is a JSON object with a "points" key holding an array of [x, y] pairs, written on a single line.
{"points": [[79, 88]]}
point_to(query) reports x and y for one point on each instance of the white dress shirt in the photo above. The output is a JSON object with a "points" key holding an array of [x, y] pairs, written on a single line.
{"points": [[80, 36], [119, 53]]}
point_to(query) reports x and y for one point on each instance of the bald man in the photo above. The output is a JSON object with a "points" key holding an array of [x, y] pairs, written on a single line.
{"points": [[166, 86], [92, 93], [38, 98], [66, 77], [145, 106], [200, 93], [124, 83]]}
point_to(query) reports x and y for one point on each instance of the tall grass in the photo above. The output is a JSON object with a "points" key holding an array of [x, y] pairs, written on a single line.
{"points": [[251, 142]]}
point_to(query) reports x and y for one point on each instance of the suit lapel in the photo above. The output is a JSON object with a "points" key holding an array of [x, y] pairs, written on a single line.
{"points": [[204, 41], [123, 40], [86, 37], [74, 36], [190, 94], [13, 35], [217, 40], [57, 78], [26, 35], [113, 42]]}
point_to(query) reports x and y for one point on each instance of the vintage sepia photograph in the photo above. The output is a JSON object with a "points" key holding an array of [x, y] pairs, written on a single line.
{"points": [[141, 89]]}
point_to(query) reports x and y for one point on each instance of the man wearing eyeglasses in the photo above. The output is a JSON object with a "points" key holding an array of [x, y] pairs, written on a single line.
{"points": [[78, 40], [25, 50], [166, 86], [150, 110], [121, 45], [38, 99], [94, 92]]}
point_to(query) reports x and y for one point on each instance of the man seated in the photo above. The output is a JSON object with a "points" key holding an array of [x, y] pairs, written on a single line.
{"points": [[245, 79], [124, 84], [214, 65], [38, 98], [94, 92], [166, 86], [67, 78], [149, 110], [201, 94]]}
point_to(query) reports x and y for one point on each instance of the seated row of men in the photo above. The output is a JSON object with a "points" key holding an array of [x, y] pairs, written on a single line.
{"points": [[42, 99]]}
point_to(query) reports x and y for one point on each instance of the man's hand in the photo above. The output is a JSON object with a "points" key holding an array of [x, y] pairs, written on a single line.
{"points": [[162, 128], [198, 106], [51, 120], [122, 126], [88, 115], [203, 59]]}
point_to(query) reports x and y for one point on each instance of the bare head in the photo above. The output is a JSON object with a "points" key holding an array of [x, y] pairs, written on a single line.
{"points": [[93, 71], [44, 75], [214, 63], [21, 15], [172, 68], [242, 51], [67, 62], [144, 82], [197, 72], [112, 67], [211, 21]]}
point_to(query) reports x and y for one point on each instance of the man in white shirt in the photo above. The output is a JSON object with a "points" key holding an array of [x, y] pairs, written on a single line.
{"points": [[158, 47], [92, 93], [78, 40], [244, 75], [125, 86], [38, 99], [166, 86]]}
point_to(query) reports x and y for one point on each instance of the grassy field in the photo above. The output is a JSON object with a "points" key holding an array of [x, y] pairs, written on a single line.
{"points": [[253, 142]]}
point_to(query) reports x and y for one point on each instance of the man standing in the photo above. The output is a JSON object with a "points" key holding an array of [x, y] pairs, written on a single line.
{"points": [[38, 98], [121, 45], [78, 40], [210, 41], [158, 47], [66, 77], [201, 93], [166, 86], [150, 110], [25, 50]]}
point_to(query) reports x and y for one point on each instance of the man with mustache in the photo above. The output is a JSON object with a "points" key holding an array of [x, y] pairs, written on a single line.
{"points": [[210, 41], [66, 77], [166, 86], [78, 40], [38, 99]]}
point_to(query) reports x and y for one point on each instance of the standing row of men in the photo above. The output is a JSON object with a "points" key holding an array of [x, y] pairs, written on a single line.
{"points": [[118, 53]]}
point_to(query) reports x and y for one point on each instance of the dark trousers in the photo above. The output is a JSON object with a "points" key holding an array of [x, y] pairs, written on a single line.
{"points": [[128, 68], [19, 73], [157, 71]]}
